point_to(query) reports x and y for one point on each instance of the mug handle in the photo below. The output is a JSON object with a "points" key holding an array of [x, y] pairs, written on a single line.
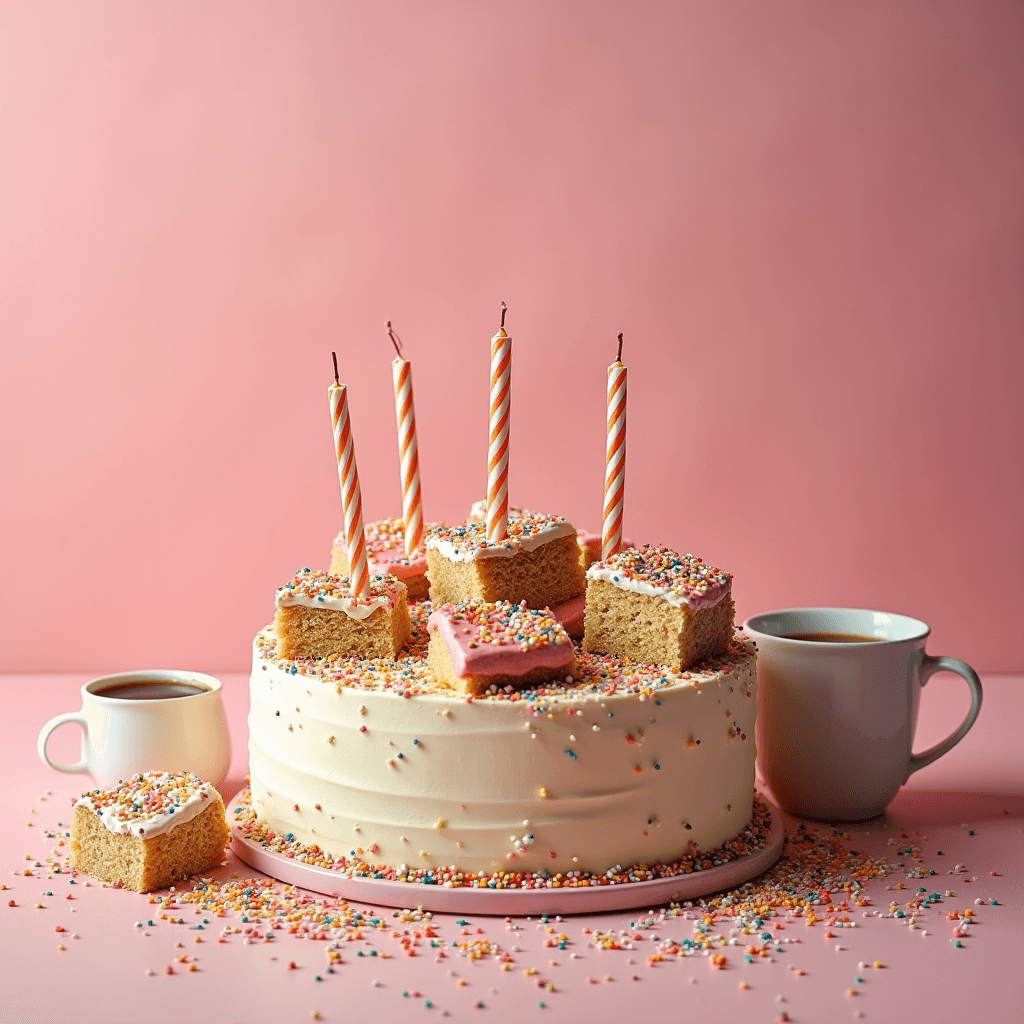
{"points": [[44, 737], [928, 669]]}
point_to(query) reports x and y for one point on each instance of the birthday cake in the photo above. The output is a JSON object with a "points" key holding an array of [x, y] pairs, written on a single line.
{"points": [[465, 738], [605, 762]]}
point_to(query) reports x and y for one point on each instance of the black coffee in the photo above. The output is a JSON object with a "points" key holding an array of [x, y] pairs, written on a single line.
{"points": [[834, 638], [149, 689]]}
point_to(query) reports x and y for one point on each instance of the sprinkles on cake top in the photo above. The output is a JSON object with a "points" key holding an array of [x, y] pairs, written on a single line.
{"points": [[469, 540], [381, 535], [384, 537], [500, 642], [658, 571], [149, 804], [596, 675]]}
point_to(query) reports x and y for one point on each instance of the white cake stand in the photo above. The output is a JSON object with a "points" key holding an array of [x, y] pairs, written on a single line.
{"points": [[517, 902]]}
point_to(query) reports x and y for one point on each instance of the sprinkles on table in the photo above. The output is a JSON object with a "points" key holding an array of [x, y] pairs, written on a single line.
{"points": [[819, 882]]}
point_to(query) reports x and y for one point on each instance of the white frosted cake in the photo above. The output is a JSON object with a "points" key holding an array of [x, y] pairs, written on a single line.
{"points": [[377, 763]]}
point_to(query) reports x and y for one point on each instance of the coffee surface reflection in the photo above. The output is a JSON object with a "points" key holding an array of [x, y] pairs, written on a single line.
{"points": [[149, 689]]}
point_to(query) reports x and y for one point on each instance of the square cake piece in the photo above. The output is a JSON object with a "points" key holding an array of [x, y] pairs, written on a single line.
{"points": [[319, 617], [652, 605], [589, 543], [538, 562], [154, 829], [385, 554], [475, 645]]}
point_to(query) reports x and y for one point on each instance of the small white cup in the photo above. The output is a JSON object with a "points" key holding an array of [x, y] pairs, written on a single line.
{"points": [[836, 721], [122, 736]]}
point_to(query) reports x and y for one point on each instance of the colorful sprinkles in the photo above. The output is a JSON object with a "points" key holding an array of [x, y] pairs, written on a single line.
{"points": [[686, 577], [146, 801], [504, 624], [820, 887], [751, 839], [319, 587], [597, 674], [820, 883], [385, 537], [471, 536]]}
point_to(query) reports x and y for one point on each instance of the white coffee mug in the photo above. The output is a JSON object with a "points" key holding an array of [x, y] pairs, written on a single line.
{"points": [[836, 720], [125, 735]]}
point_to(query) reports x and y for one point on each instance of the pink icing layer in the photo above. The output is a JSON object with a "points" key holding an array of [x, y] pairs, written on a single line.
{"points": [[490, 659], [395, 562], [391, 560], [570, 612]]}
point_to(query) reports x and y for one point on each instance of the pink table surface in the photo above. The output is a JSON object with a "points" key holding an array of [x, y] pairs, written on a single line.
{"points": [[101, 975]]}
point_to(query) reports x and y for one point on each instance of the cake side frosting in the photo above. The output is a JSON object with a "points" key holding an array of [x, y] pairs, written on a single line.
{"points": [[150, 804], [314, 588], [630, 764], [468, 541], [660, 572]]}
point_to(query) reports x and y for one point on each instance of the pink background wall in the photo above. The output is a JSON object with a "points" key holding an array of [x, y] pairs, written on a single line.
{"points": [[806, 218]]}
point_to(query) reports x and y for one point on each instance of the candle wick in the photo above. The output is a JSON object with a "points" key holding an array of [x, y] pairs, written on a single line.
{"points": [[334, 356], [395, 339], [504, 310], [618, 358]]}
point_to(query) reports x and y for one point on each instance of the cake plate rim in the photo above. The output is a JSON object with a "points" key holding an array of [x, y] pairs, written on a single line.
{"points": [[511, 902]]}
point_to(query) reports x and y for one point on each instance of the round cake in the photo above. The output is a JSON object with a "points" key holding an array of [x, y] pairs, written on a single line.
{"points": [[622, 764]]}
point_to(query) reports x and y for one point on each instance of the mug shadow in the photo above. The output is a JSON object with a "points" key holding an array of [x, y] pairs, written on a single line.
{"points": [[934, 808]]}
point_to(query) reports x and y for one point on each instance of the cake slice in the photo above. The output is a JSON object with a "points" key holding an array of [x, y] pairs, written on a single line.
{"points": [[589, 543], [652, 605], [385, 554], [475, 645], [538, 563], [318, 616], [150, 831]]}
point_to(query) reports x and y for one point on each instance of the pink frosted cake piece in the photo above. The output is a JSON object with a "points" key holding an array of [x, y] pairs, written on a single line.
{"points": [[385, 554], [475, 645]]}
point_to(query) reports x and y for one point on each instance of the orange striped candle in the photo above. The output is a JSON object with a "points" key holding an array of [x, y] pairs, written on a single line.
{"points": [[615, 458], [348, 475], [497, 452], [408, 453]]}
